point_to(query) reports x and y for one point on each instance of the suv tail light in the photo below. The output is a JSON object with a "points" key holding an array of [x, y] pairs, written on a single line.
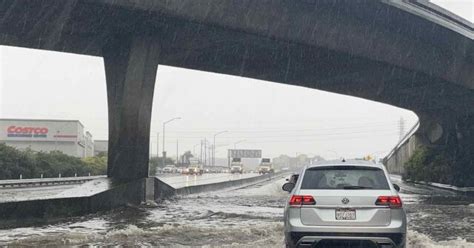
{"points": [[299, 200], [391, 201]]}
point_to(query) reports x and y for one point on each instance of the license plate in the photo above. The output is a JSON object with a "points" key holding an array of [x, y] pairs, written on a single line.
{"points": [[345, 214]]}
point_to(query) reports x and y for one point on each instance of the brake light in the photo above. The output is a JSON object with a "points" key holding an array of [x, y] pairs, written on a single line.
{"points": [[391, 201], [299, 200]]}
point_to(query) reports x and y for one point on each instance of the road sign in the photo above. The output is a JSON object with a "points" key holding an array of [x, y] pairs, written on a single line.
{"points": [[243, 153]]}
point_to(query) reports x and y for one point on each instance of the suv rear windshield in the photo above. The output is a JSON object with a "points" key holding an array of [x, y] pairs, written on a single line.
{"points": [[344, 177]]}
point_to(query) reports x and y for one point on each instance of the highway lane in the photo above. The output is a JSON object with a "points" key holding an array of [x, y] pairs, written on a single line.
{"points": [[245, 217]]}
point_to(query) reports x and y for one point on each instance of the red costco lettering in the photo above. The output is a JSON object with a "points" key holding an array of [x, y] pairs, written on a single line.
{"points": [[11, 129], [27, 130]]}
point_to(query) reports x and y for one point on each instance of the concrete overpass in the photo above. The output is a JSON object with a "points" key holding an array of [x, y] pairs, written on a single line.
{"points": [[409, 54]]}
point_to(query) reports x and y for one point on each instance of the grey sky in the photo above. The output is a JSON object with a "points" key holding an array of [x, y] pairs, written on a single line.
{"points": [[277, 118], [462, 8]]}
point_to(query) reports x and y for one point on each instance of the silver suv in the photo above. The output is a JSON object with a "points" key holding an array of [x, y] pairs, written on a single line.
{"points": [[344, 204]]}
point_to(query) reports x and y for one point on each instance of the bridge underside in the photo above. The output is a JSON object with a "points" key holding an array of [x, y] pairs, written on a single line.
{"points": [[375, 50]]}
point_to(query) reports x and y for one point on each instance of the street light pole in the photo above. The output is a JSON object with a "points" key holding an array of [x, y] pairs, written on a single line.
{"points": [[214, 148], [164, 151]]}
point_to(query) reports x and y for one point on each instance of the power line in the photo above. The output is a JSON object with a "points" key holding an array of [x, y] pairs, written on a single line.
{"points": [[303, 135], [266, 129]]}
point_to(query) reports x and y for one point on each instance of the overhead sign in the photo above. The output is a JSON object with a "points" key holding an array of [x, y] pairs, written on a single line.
{"points": [[244, 153]]}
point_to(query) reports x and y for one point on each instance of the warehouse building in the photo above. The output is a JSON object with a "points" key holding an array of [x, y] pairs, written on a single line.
{"points": [[67, 136]]}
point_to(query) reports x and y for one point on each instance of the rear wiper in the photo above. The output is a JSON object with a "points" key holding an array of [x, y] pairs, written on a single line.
{"points": [[356, 187]]}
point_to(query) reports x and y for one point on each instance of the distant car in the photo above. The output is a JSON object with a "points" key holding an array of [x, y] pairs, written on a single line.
{"points": [[169, 169], [344, 204], [236, 169], [195, 170]]}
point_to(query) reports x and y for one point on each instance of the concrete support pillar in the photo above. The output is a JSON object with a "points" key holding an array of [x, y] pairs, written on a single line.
{"points": [[448, 142], [130, 67], [433, 130]]}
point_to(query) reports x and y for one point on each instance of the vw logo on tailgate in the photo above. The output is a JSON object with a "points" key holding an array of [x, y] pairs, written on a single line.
{"points": [[345, 200]]}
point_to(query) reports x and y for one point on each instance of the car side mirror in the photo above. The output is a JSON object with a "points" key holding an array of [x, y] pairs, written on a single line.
{"points": [[288, 187], [397, 188]]}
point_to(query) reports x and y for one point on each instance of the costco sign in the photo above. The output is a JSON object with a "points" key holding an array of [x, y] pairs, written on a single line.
{"points": [[27, 132]]}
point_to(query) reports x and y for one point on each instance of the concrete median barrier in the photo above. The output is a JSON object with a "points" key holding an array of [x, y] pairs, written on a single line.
{"points": [[164, 190]]}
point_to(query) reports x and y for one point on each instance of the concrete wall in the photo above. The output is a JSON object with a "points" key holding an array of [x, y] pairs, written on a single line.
{"points": [[395, 163], [44, 210], [163, 190]]}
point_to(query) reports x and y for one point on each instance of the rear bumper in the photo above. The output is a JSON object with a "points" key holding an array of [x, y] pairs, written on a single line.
{"points": [[312, 239]]}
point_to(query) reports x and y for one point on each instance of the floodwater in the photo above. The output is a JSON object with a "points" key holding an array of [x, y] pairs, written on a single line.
{"points": [[245, 217]]}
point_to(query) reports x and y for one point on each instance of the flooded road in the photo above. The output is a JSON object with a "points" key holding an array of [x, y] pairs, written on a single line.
{"points": [[245, 217]]}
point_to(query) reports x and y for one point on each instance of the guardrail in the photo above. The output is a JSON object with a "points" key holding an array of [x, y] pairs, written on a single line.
{"points": [[403, 140], [18, 183]]}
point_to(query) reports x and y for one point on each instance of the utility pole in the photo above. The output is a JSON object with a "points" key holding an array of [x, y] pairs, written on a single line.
{"points": [[205, 152], [177, 152], [228, 158], [213, 154], [157, 145], [200, 154], [209, 155]]}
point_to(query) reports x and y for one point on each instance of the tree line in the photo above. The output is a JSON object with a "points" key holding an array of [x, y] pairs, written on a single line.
{"points": [[32, 164]]}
